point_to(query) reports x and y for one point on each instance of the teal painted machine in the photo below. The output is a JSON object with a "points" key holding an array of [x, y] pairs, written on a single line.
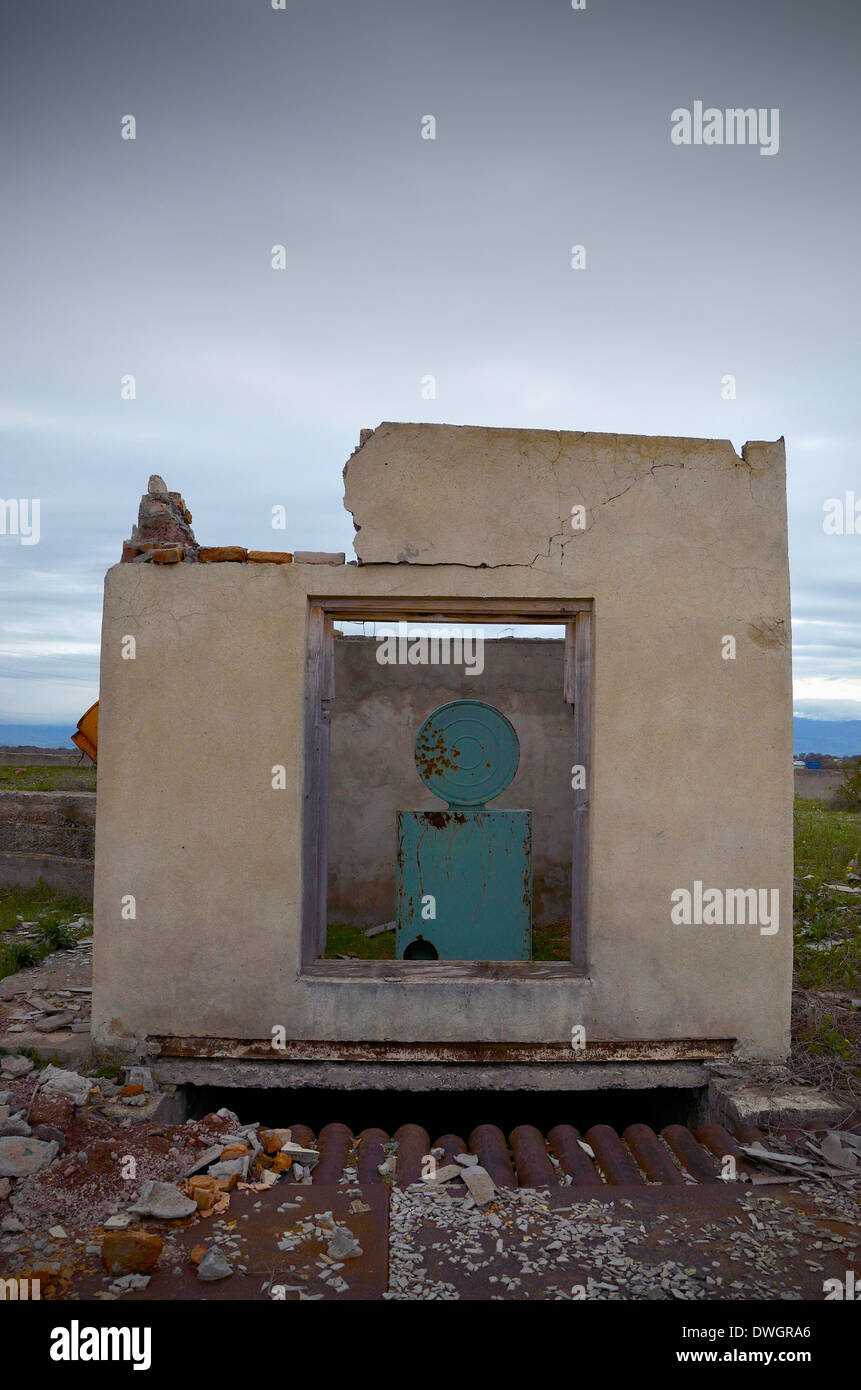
{"points": [[464, 876]]}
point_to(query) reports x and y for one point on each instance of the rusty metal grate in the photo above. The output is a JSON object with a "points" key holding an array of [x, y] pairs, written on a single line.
{"points": [[526, 1158]]}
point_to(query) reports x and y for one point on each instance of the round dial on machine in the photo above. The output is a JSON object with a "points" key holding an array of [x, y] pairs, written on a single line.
{"points": [[466, 753]]}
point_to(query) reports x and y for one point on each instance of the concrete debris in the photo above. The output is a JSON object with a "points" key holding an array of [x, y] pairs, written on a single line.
{"points": [[15, 1066], [56, 1082], [14, 1125], [481, 1186], [20, 1157], [780, 1160], [447, 1173], [834, 1152], [213, 1266], [308, 1157], [52, 1023], [466, 1160], [119, 1222], [210, 1155], [236, 1167], [164, 1201], [343, 1245]]}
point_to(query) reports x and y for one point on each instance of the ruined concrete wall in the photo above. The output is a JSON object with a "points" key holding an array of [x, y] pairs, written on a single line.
{"points": [[48, 837], [377, 712], [690, 777], [824, 783]]}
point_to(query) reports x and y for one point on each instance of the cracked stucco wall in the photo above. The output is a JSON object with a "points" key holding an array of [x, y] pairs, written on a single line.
{"points": [[691, 775]]}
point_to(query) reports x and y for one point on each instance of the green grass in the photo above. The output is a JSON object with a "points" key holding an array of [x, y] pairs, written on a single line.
{"points": [[48, 779], [548, 943], [51, 911], [825, 841]]}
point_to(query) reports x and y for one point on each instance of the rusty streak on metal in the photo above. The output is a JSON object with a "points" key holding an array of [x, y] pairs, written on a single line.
{"points": [[302, 1050]]}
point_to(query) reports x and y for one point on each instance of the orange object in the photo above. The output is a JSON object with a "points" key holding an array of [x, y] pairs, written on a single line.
{"points": [[87, 737]]}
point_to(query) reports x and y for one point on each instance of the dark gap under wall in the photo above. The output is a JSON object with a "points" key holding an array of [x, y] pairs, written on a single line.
{"points": [[450, 1112]]}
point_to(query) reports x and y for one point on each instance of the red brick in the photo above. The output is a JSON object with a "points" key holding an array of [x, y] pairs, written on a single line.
{"points": [[130, 1252], [270, 557], [218, 554]]}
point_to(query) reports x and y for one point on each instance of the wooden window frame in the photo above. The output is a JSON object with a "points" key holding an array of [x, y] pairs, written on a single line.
{"points": [[577, 616]]}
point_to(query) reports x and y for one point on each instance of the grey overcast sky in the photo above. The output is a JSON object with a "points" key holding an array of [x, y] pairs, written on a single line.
{"points": [[408, 257]]}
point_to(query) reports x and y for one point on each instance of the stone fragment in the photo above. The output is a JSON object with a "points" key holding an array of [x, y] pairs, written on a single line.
{"points": [[15, 1066], [157, 487], [119, 1222], [58, 1233], [197, 1253], [270, 557], [140, 1076], [52, 1023], [281, 1163], [5, 1188], [447, 1172], [306, 1156], [20, 1157], [51, 1134], [56, 1082], [167, 555], [318, 557], [466, 1160], [131, 1091], [213, 1266], [219, 554], [11, 1224], [481, 1185], [130, 1252], [164, 1201], [15, 1125], [343, 1245], [235, 1167]]}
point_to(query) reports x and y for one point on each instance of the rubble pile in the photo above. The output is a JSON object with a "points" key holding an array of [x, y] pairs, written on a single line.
{"points": [[89, 1152], [163, 532]]}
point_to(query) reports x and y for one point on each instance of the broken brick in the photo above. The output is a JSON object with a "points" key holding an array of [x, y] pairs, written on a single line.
{"points": [[130, 1252], [234, 1151], [132, 1091], [271, 1141], [270, 557], [219, 554], [167, 555]]}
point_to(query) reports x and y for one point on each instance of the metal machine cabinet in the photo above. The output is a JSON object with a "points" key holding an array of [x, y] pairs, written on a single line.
{"points": [[464, 876]]}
